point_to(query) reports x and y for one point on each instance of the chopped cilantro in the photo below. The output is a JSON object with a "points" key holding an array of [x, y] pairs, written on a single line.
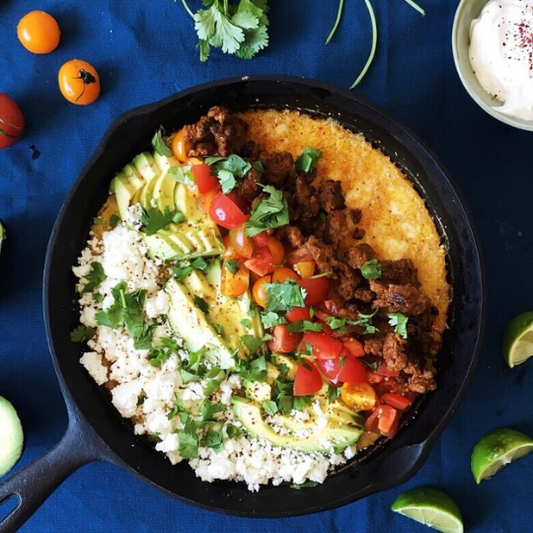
{"points": [[159, 144], [181, 174], [177, 408], [333, 393], [155, 219], [188, 444], [299, 402], [269, 407], [187, 376], [229, 170], [254, 371], [253, 343], [399, 322], [371, 269], [306, 485], [159, 354], [214, 439], [365, 321], [337, 323], [208, 410], [186, 267], [232, 265], [284, 296], [304, 325], [373, 366], [218, 329], [82, 334], [269, 212], [94, 277], [233, 431], [97, 221], [114, 220], [307, 160], [201, 304], [246, 323], [271, 319]]}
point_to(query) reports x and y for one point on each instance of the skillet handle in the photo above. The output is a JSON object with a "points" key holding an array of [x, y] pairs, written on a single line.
{"points": [[34, 483]]}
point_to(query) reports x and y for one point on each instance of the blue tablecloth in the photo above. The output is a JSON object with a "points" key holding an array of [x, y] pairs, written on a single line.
{"points": [[145, 51]]}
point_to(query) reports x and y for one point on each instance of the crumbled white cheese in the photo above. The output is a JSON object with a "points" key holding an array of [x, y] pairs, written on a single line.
{"points": [[92, 361]]}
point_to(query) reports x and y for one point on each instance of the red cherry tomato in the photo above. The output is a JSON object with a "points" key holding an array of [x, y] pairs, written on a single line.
{"points": [[354, 347], [342, 369], [384, 420], [383, 370], [324, 346], [307, 380], [396, 400], [259, 290], [240, 242], [298, 313], [224, 212], [11, 121], [284, 341], [203, 178], [317, 289], [261, 263]]}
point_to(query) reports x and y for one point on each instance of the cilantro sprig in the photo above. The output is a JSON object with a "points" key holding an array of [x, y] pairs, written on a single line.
{"points": [[399, 322], [82, 334], [94, 277], [306, 161], [154, 219], [229, 170], [284, 296], [239, 29], [269, 212]]}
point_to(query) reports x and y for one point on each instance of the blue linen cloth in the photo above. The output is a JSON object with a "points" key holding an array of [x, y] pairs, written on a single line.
{"points": [[145, 51]]}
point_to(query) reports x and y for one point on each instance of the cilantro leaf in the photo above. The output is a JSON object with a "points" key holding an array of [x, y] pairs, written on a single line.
{"points": [[267, 213], [333, 393], [232, 265], [201, 304], [371, 269], [82, 334], [254, 371], [233, 431], [271, 319], [181, 174], [253, 343], [337, 323], [269, 407], [114, 220], [159, 144], [186, 267], [188, 444], [399, 322], [229, 170], [365, 321], [94, 277], [246, 323], [158, 355], [306, 485], [155, 219], [306, 161], [284, 296], [304, 325], [214, 439]]}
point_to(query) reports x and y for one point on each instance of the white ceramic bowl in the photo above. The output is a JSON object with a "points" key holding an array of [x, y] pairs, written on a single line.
{"points": [[467, 11]]}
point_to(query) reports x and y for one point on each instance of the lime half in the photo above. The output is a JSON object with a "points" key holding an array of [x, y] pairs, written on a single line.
{"points": [[497, 449], [430, 507], [517, 342]]}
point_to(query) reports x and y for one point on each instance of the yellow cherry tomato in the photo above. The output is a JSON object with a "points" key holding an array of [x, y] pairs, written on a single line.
{"points": [[284, 273], [276, 249], [38, 32], [359, 396], [259, 290], [234, 285], [305, 268], [180, 147], [79, 82]]}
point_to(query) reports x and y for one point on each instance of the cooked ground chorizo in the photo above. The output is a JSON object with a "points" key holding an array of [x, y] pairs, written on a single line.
{"points": [[358, 255], [330, 196]]}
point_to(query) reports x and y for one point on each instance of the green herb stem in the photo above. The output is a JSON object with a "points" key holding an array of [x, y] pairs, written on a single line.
{"points": [[374, 44], [187, 8], [337, 21], [415, 6]]}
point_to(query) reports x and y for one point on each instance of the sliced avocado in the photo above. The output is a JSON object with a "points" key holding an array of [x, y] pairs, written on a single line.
{"points": [[126, 185], [337, 433], [226, 313], [159, 246], [146, 166], [186, 203], [190, 323], [11, 436], [286, 362]]}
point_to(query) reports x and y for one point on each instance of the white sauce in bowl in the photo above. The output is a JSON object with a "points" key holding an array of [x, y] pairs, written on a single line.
{"points": [[501, 54]]}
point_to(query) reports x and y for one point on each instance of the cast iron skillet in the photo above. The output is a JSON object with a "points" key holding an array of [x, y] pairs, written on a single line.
{"points": [[97, 432]]}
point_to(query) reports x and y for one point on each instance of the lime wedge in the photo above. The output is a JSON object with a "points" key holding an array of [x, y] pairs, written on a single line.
{"points": [[497, 449], [517, 342], [430, 507]]}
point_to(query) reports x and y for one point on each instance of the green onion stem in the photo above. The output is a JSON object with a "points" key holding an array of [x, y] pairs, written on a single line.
{"points": [[337, 21], [414, 5], [374, 44]]}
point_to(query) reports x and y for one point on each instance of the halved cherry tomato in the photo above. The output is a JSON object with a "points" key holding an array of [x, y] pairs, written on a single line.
{"points": [[38, 32], [342, 369], [396, 400], [305, 269], [240, 242], [317, 289], [180, 147], [207, 199], [359, 396], [234, 285], [383, 370], [79, 82], [324, 346], [354, 347], [374, 378], [307, 380], [203, 178], [282, 274], [224, 212], [259, 292], [298, 313], [261, 262], [284, 341], [384, 419], [276, 249], [238, 200], [11, 121]]}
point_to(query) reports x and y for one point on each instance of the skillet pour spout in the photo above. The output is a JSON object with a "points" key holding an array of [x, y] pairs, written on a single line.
{"points": [[96, 431]]}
